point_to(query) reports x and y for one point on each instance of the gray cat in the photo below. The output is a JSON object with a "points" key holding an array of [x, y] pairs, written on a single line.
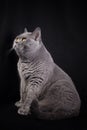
{"points": [[45, 89]]}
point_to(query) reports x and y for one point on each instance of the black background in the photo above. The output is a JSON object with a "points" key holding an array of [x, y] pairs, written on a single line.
{"points": [[64, 30]]}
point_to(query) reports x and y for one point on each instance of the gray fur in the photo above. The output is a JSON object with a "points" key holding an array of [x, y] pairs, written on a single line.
{"points": [[45, 89]]}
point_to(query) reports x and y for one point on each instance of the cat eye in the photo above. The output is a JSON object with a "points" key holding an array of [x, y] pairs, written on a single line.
{"points": [[24, 39], [17, 40]]}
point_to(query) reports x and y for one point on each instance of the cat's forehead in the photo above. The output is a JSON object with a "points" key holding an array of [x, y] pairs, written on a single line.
{"points": [[26, 34]]}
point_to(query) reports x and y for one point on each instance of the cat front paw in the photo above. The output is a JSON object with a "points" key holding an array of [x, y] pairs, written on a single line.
{"points": [[24, 111], [18, 103]]}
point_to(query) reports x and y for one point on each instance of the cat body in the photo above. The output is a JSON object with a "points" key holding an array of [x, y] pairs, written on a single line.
{"points": [[45, 89]]}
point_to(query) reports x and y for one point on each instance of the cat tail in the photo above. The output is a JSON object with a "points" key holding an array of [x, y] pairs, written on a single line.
{"points": [[41, 114]]}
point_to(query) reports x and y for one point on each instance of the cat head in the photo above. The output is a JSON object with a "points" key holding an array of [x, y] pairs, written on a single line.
{"points": [[27, 43]]}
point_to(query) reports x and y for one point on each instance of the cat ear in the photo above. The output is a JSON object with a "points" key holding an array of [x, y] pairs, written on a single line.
{"points": [[25, 30], [37, 34]]}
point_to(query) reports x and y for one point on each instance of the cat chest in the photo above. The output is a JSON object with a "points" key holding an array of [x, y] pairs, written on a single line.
{"points": [[25, 71]]}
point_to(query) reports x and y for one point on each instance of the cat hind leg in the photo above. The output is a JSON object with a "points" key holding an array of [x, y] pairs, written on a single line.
{"points": [[42, 110]]}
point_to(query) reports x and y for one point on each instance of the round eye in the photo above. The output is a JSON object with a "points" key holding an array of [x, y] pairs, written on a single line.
{"points": [[24, 39], [17, 40]]}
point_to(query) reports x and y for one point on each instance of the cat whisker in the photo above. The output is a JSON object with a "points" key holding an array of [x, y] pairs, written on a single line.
{"points": [[10, 50]]}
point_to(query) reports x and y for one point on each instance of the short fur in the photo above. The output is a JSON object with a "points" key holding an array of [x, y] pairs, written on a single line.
{"points": [[45, 89]]}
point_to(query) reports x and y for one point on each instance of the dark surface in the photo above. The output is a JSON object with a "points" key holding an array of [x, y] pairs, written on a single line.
{"points": [[11, 120], [64, 30]]}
